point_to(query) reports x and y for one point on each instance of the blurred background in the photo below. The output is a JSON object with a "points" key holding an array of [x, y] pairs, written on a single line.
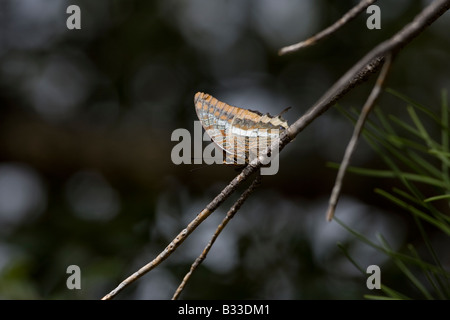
{"points": [[86, 118]]}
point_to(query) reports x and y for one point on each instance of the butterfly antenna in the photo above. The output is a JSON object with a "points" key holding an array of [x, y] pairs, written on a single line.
{"points": [[284, 111]]}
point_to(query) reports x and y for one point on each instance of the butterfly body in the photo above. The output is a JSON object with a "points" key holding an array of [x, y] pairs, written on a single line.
{"points": [[240, 133]]}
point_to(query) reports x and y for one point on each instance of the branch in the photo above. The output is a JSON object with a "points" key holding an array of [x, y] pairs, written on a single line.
{"points": [[179, 239], [333, 28], [230, 214], [364, 67], [355, 76], [356, 133]]}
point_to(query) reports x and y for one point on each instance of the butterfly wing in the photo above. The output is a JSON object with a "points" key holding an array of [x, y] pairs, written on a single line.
{"points": [[237, 131]]}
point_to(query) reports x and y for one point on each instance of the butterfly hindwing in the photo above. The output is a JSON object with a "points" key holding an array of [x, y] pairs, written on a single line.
{"points": [[239, 132]]}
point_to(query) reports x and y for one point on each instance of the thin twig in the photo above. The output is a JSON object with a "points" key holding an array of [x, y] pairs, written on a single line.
{"points": [[365, 66], [213, 205], [368, 106], [355, 76], [350, 15], [230, 214]]}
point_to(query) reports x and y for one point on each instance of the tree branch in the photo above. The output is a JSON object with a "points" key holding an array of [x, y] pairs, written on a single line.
{"points": [[355, 76], [230, 214], [364, 67], [179, 239], [356, 133], [353, 13]]}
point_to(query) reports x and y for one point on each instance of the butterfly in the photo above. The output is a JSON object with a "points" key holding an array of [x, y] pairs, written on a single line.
{"points": [[240, 133]]}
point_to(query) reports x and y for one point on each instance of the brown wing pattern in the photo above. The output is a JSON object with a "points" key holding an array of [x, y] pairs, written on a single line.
{"points": [[238, 132]]}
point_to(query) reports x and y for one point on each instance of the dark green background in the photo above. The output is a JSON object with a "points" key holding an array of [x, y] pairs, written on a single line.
{"points": [[86, 118]]}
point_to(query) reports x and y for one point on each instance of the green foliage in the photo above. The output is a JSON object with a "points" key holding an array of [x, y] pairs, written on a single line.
{"points": [[418, 160]]}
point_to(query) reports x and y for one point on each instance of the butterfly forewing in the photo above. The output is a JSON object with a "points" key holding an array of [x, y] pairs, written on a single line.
{"points": [[239, 132]]}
